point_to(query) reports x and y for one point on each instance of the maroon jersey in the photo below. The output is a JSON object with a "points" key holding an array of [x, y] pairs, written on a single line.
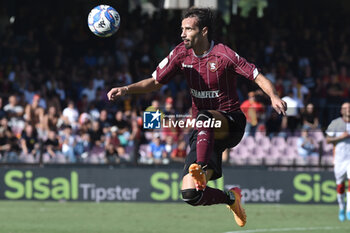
{"points": [[210, 77]]}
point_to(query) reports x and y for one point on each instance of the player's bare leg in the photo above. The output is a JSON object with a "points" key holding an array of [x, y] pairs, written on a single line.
{"points": [[198, 175], [205, 142], [188, 183]]}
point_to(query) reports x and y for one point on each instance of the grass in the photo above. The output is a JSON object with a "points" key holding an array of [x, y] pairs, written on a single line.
{"points": [[76, 217]]}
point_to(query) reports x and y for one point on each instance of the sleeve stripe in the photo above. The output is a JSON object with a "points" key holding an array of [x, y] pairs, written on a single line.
{"points": [[255, 73], [165, 68], [235, 64], [154, 75]]}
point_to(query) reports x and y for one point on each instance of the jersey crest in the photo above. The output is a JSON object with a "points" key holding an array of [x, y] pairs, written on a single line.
{"points": [[212, 66]]}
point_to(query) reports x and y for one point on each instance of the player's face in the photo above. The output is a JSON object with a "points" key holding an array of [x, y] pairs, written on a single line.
{"points": [[345, 110], [191, 33]]}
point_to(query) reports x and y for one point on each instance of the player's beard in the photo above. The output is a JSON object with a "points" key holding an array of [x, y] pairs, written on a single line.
{"points": [[188, 45]]}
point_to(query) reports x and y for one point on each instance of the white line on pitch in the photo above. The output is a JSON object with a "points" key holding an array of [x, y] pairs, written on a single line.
{"points": [[288, 229]]}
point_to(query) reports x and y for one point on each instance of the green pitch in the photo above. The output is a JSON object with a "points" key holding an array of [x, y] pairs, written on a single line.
{"points": [[53, 217]]}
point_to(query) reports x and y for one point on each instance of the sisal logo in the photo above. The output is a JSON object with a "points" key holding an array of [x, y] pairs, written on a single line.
{"points": [[312, 188], [27, 185]]}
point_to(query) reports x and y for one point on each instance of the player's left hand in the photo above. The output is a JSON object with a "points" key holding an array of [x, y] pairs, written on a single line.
{"points": [[279, 105]]}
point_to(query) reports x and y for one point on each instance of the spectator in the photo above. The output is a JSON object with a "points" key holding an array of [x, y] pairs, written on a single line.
{"points": [[97, 141], [273, 125], [9, 142], [120, 122], [123, 77], [310, 118], [103, 120], [169, 146], [300, 91], [335, 93], [82, 146], [89, 91], [98, 81], [67, 141], [51, 119], [70, 114], [157, 150], [344, 78], [252, 110], [292, 119], [5, 147], [113, 147], [2, 112], [33, 112], [169, 108], [136, 137], [308, 79], [52, 150], [179, 153], [306, 145], [29, 144], [83, 103], [96, 134], [12, 109]]}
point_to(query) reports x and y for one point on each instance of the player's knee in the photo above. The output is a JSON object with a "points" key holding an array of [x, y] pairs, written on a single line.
{"points": [[191, 196], [204, 115], [341, 188]]}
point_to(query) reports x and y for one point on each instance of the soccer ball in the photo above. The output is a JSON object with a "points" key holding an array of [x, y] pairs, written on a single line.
{"points": [[103, 20]]}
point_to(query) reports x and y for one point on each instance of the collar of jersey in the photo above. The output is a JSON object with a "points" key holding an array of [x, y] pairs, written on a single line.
{"points": [[211, 47]]}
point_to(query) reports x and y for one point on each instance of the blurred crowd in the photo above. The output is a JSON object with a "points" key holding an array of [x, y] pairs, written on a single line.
{"points": [[54, 76]]}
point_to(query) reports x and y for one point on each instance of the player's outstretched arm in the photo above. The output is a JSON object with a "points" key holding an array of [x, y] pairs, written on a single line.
{"points": [[143, 86], [335, 140], [279, 105]]}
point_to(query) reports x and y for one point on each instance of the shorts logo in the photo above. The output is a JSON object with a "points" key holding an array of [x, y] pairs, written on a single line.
{"points": [[151, 120], [212, 66]]}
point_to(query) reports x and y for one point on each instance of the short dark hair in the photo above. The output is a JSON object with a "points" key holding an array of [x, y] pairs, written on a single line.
{"points": [[205, 18]]}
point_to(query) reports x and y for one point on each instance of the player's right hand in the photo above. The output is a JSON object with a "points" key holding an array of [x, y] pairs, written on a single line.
{"points": [[114, 93], [279, 105], [345, 135]]}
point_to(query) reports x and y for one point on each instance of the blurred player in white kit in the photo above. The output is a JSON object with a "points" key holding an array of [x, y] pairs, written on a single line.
{"points": [[338, 133]]}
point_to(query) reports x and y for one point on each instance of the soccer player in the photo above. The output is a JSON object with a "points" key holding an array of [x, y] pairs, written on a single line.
{"points": [[211, 70], [338, 133]]}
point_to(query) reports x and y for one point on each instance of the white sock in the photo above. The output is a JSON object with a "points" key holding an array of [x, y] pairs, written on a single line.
{"points": [[347, 201], [340, 198]]}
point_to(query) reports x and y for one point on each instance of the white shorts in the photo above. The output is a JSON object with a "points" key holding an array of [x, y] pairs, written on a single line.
{"points": [[342, 172]]}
